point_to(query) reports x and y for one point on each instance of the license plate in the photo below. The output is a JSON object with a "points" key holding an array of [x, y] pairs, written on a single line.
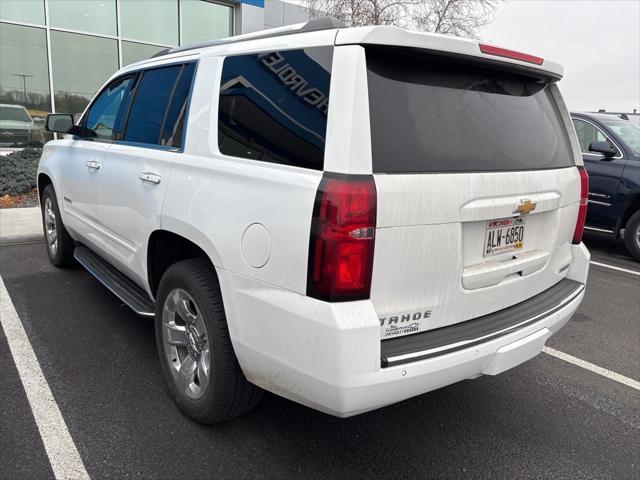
{"points": [[503, 236]]}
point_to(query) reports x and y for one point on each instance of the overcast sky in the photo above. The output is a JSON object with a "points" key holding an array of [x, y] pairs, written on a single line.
{"points": [[597, 42]]}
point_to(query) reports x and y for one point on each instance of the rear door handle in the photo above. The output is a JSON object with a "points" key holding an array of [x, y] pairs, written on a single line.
{"points": [[150, 177], [93, 164]]}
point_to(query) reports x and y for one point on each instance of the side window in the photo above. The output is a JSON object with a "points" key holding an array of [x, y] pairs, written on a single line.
{"points": [[102, 118], [172, 132], [587, 133], [149, 105], [273, 106]]}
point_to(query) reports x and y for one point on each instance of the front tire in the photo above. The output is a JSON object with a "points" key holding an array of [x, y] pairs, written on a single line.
{"points": [[198, 361], [59, 243], [632, 235]]}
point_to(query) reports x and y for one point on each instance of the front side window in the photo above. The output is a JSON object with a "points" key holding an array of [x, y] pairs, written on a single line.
{"points": [[273, 106], [588, 133], [150, 103], [103, 115]]}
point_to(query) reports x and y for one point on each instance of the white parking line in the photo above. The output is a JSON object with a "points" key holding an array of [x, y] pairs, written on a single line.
{"points": [[62, 452], [612, 267], [629, 382]]}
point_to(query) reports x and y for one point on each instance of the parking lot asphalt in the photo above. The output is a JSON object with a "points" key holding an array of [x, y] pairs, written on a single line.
{"points": [[544, 419], [612, 252]]}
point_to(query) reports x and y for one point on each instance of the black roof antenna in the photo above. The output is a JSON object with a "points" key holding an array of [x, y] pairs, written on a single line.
{"points": [[325, 23]]}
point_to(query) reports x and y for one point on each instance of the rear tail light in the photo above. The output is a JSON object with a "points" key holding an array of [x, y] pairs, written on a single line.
{"points": [[342, 238], [503, 52], [582, 209]]}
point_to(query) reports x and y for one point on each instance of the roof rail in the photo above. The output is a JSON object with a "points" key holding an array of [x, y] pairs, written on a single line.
{"points": [[325, 23]]}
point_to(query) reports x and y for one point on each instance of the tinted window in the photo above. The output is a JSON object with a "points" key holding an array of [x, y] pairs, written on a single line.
{"points": [[102, 118], [150, 102], [435, 115], [273, 106], [172, 132]]}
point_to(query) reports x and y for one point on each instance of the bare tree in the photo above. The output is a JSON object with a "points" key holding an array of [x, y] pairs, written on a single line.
{"points": [[454, 17], [462, 18], [356, 13]]}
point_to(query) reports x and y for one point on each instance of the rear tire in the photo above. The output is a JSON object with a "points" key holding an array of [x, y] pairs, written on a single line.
{"points": [[59, 243], [197, 357], [632, 235]]}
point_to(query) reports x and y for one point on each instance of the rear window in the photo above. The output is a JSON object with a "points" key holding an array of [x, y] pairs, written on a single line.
{"points": [[273, 106], [430, 114]]}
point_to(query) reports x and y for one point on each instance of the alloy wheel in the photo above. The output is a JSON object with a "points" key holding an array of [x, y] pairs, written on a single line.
{"points": [[186, 345], [50, 226]]}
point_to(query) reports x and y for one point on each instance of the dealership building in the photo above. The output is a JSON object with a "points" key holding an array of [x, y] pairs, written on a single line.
{"points": [[55, 54]]}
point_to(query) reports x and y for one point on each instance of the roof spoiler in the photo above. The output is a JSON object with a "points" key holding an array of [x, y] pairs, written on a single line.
{"points": [[325, 23]]}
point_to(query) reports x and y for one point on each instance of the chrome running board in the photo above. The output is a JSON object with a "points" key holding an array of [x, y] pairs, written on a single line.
{"points": [[131, 294]]}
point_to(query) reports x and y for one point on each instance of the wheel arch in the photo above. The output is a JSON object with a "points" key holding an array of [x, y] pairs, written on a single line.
{"points": [[165, 248], [42, 181], [630, 209]]}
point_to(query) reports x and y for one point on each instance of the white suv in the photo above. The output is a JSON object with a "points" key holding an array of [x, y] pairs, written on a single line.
{"points": [[344, 217]]}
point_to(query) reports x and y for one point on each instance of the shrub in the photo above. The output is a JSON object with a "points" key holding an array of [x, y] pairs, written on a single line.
{"points": [[18, 171]]}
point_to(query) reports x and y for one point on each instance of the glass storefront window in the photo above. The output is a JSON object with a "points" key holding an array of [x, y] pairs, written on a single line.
{"points": [[81, 64], [93, 16], [81, 61], [134, 52], [24, 86], [154, 21], [28, 11], [202, 21]]}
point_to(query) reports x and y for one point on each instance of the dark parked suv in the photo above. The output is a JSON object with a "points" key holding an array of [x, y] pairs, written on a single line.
{"points": [[610, 146]]}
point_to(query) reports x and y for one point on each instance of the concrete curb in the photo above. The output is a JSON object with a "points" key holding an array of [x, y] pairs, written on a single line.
{"points": [[20, 225]]}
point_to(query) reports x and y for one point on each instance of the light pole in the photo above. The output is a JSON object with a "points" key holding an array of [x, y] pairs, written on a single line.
{"points": [[24, 77]]}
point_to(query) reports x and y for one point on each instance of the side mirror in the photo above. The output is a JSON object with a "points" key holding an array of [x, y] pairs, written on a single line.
{"points": [[604, 148], [60, 123]]}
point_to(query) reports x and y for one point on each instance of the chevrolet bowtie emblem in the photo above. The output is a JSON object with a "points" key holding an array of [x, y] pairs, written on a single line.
{"points": [[525, 206]]}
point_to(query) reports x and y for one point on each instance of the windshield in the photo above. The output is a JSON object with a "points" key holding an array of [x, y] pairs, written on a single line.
{"points": [[431, 114], [14, 114], [627, 132]]}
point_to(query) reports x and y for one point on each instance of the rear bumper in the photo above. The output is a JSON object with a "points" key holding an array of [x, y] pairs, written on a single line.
{"points": [[440, 341], [328, 356]]}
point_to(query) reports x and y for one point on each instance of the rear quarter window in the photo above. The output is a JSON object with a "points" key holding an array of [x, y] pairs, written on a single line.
{"points": [[430, 114], [273, 106]]}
